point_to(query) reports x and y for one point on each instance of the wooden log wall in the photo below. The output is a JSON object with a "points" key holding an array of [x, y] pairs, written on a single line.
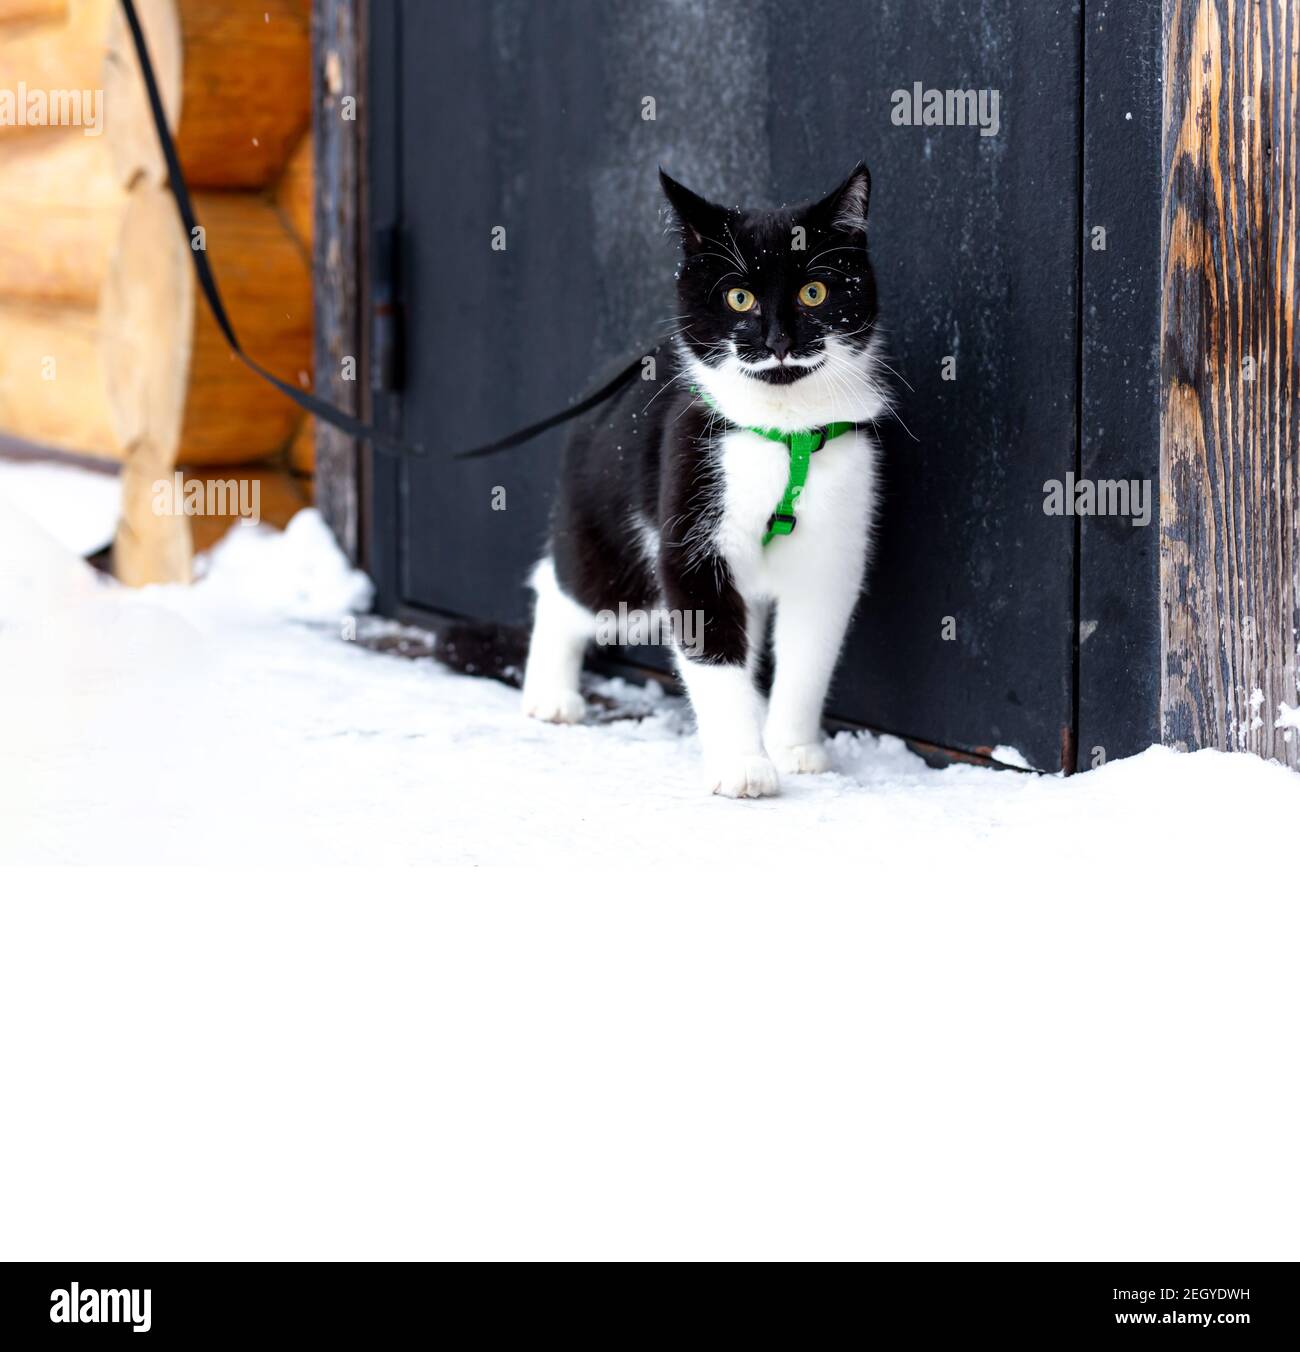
{"points": [[105, 348], [85, 45], [1230, 425], [246, 94]]}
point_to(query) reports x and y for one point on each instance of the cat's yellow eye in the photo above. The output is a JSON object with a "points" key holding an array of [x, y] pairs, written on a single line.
{"points": [[740, 300], [813, 293]]}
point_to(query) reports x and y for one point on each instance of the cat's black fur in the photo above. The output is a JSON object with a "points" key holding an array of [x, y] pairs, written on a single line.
{"points": [[647, 456]]}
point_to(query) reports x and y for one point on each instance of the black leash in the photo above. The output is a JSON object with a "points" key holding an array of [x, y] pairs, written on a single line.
{"points": [[624, 377], [318, 408]]}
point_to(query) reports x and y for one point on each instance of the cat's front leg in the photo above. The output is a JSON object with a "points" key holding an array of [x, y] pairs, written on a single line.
{"points": [[717, 672], [729, 714], [806, 639]]}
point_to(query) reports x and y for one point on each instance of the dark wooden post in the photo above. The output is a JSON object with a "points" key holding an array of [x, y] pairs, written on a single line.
{"points": [[1230, 416], [338, 128]]}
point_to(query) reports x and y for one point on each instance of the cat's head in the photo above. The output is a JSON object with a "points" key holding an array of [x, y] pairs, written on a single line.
{"points": [[777, 309]]}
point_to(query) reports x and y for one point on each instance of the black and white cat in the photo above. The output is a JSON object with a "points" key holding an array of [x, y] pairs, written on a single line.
{"points": [[667, 494]]}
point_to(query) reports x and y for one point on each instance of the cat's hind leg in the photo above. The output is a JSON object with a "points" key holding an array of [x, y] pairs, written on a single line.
{"points": [[561, 631]]}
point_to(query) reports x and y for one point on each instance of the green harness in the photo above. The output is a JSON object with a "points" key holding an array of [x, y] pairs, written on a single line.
{"points": [[801, 446]]}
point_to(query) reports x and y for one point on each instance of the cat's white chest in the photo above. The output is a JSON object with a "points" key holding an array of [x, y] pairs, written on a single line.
{"points": [[833, 512]]}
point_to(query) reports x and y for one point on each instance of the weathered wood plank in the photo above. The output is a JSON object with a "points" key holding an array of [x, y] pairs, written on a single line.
{"points": [[336, 60], [1230, 416]]}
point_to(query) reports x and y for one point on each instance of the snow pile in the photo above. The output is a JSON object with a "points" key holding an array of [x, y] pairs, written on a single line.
{"points": [[38, 574], [298, 573], [78, 507], [211, 724]]}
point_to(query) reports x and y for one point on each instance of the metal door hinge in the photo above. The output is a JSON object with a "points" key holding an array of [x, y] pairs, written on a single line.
{"points": [[386, 328]]}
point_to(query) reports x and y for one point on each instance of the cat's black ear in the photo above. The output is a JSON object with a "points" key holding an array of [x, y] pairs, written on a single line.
{"points": [[845, 209], [700, 220]]}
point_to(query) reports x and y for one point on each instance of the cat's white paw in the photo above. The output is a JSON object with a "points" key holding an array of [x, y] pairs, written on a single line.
{"points": [[554, 706], [743, 777], [811, 758]]}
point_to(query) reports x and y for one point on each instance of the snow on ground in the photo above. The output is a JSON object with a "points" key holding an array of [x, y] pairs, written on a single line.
{"points": [[230, 722], [920, 1014], [77, 506]]}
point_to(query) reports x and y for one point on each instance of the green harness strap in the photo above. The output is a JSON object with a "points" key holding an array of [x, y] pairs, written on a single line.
{"points": [[801, 446]]}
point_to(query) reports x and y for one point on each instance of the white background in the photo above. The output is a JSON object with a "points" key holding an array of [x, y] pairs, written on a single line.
{"points": [[918, 1060]]}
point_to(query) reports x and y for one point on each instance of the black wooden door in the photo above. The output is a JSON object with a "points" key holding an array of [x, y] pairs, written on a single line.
{"points": [[514, 144]]}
